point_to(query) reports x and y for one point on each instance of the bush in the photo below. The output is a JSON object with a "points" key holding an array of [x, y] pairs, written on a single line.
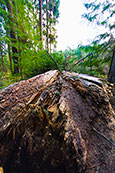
{"points": [[36, 63]]}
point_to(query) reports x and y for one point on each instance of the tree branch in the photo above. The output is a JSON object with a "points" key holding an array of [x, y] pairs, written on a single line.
{"points": [[82, 59], [53, 60], [103, 136]]}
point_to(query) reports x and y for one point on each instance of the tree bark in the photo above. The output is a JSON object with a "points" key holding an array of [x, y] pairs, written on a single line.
{"points": [[10, 58], [40, 19], [47, 34], [3, 69], [57, 122], [111, 74], [13, 40], [50, 15]]}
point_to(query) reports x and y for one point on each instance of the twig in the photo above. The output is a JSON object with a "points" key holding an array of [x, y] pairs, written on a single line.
{"points": [[103, 136], [91, 54], [53, 60], [82, 59], [45, 57], [92, 166]]}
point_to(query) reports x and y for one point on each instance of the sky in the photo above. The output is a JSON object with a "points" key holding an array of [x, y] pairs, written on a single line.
{"points": [[73, 30]]}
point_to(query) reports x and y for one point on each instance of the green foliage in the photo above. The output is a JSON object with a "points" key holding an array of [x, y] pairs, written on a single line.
{"points": [[7, 79], [59, 59], [96, 64], [102, 13], [36, 63], [20, 36]]}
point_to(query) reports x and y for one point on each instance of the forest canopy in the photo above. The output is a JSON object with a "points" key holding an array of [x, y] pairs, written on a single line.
{"points": [[27, 28], [28, 40]]}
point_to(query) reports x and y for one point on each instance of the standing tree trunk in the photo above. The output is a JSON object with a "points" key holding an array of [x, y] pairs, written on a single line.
{"points": [[10, 58], [19, 60], [14, 53], [13, 39], [9, 49], [111, 74], [3, 68], [50, 21], [47, 18], [40, 19]]}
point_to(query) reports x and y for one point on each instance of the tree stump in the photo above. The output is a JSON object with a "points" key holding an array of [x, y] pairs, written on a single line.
{"points": [[57, 122]]}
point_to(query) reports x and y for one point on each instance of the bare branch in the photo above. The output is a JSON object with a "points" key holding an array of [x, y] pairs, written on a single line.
{"points": [[53, 60], [82, 59], [103, 136]]}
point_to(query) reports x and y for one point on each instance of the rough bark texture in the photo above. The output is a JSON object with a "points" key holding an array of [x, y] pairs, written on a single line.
{"points": [[47, 29], [40, 19], [13, 38], [57, 123], [111, 75]]}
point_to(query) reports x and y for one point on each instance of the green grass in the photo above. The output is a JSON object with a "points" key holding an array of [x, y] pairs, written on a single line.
{"points": [[7, 79]]}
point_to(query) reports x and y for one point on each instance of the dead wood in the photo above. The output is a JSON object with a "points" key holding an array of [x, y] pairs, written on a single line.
{"points": [[47, 122]]}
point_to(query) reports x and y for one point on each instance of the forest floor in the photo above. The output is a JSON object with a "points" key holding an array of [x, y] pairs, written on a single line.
{"points": [[7, 79]]}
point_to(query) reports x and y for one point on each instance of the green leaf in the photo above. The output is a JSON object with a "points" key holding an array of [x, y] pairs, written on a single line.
{"points": [[106, 7]]}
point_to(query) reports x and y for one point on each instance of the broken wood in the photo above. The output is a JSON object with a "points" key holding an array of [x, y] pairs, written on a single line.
{"points": [[46, 124]]}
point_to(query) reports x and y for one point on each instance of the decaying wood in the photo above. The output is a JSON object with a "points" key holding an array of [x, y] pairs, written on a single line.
{"points": [[46, 124]]}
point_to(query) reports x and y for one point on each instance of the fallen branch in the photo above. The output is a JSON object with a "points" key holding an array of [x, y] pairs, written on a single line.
{"points": [[53, 60], [105, 46], [103, 136], [83, 59]]}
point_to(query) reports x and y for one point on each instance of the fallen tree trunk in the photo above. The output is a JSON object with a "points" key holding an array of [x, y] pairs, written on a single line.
{"points": [[57, 123]]}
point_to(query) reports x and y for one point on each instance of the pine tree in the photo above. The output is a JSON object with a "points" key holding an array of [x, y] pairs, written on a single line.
{"points": [[27, 28], [102, 13]]}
